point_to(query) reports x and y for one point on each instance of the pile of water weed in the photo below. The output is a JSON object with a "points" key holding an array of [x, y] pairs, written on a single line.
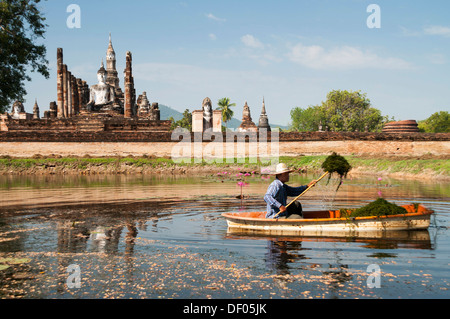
{"points": [[380, 207], [336, 164]]}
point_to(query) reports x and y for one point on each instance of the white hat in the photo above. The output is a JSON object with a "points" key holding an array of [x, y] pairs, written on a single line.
{"points": [[281, 168]]}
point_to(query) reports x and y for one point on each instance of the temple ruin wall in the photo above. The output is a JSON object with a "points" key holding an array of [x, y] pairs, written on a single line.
{"points": [[159, 144]]}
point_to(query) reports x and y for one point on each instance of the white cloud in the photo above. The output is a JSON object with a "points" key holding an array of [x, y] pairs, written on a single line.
{"points": [[213, 17], [345, 57], [212, 36], [437, 30], [409, 33], [252, 42], [429, 30]]}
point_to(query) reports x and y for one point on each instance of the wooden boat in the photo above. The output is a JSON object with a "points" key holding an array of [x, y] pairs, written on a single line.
{"points": [[317, 223]]}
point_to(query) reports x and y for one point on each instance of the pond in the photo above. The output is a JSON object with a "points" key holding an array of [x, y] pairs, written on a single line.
{"points": [[164, 237]]}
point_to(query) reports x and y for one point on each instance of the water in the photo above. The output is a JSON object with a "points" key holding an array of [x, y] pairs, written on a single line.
{"points": [[164, 237]]}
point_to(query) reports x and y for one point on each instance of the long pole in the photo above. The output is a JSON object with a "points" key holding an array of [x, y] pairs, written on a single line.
{"points": [[325, 174]]}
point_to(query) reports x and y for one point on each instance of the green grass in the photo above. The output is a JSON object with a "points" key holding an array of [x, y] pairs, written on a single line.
{"points": [[389, 165], [309, 163]]}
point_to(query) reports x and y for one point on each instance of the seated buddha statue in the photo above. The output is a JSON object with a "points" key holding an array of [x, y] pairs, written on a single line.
{"points": [[102, 95]]}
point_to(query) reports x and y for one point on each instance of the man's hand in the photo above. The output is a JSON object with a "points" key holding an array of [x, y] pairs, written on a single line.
{"points": [[313, 183], [282, 209]]}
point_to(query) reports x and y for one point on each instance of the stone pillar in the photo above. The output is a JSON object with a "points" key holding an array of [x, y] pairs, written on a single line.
{"points": [[197, 121], [65, 92], [60, 92], [129, 87], [36, 115], [87, 93], [74, 96], [80, 95], [53, 110], [156, 113], [69, 94], [217, 121]]}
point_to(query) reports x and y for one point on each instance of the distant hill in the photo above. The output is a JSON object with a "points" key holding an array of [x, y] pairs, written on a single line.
{"points": [[166, 112]]}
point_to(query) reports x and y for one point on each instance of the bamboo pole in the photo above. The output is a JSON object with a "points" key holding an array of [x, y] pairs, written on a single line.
{"points": [[325, 174]]}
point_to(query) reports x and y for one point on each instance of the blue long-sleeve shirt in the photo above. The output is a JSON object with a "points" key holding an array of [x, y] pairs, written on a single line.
{"points": [[276, 196]]}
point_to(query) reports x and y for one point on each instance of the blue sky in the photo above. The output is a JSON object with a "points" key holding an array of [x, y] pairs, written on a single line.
{"points": [[292, 53]]}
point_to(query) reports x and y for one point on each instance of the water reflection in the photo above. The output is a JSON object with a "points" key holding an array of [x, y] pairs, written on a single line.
{"points": [[281, 253], [130, 232], [83, 237]]}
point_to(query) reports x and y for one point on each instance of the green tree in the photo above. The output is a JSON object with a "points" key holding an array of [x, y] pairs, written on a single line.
{"points": [[439, 122], [342, 111], [21, 24], [185, 122], [225, 107], [304, 120]]}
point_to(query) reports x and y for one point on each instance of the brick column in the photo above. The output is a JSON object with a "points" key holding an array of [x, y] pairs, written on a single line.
{"points": [[60, 93], [74, 95], [69, 94], [80, 95], [65, 92], [128, 98]]}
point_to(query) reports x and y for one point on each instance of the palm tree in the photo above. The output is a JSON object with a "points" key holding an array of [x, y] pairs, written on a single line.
{"points": [[225, 107]]}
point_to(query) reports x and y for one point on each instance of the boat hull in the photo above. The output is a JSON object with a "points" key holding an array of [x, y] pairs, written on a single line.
{"points": [[310, 226]]}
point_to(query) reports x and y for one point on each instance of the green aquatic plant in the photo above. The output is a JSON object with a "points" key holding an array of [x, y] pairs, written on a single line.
{"points": [[336, 164], [380, 207]]}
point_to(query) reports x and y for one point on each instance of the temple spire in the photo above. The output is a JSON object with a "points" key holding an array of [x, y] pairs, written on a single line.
{"points": [[263, 107], [263, 119]]}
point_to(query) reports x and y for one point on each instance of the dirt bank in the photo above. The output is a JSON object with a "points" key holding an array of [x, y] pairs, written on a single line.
{"points": [[425, 168]]}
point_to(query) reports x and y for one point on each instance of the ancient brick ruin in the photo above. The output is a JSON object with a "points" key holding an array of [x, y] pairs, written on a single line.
{"points": [[102, 107], [103, 112], [247, 124], [263, 119], [408, 126], [206, 118]]}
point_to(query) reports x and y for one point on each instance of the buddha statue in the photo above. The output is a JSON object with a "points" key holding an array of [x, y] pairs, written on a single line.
{"points": [[102, 96], [17, 109], [207, 114]]}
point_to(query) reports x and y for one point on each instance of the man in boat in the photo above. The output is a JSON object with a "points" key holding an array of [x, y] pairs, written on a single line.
{"points": [[277, 193]]}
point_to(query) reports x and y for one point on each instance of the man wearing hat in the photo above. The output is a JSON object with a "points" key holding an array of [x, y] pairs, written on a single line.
{"points": [[277, 193]]}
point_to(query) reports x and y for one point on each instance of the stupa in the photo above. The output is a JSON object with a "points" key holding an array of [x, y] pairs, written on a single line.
{"points": [[263, 119], [247, 124], [408, 126]]}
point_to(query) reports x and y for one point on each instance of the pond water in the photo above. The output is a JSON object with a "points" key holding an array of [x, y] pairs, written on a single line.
{"points": [[164, 237]]}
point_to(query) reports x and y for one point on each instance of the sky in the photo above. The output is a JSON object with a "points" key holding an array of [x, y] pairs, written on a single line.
{"points": [[291, 53]]}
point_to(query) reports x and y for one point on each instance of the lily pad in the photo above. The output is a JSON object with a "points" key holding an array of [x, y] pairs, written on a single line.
{"points": [[14, 261], [3, 267]]}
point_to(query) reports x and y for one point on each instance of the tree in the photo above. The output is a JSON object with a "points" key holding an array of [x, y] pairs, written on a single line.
{"points": [[342, 111], [304, 120], [21, 24], [225, 107], [439, 122], [185, 122]]}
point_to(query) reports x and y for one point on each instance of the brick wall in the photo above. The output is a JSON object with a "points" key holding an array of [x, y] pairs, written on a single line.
{"points": [[154, 131]]}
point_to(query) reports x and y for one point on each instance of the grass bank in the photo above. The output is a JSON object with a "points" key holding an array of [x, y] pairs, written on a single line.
{"points": [[401, 167]]}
